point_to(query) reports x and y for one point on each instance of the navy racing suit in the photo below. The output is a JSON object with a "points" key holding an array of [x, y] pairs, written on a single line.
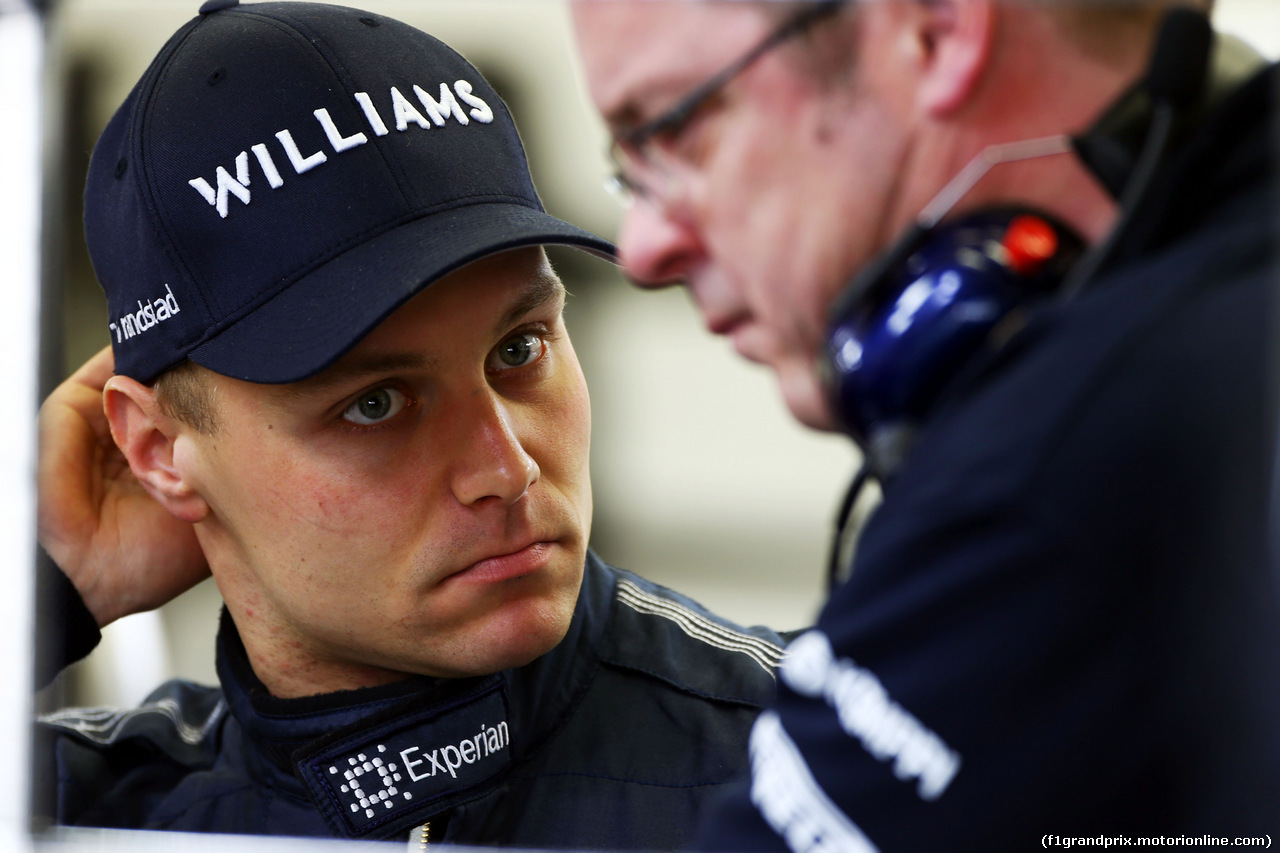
{"points": [[616, 738]]}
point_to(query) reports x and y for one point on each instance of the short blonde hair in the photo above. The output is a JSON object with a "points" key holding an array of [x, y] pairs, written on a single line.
{"points": [[185, 394]]}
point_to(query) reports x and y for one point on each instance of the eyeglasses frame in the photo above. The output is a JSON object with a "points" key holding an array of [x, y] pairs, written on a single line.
{"points": [[678, 115]]}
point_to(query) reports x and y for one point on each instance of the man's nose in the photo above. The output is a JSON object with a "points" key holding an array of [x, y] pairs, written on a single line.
{"points": [[492, 463], [656, 249]]}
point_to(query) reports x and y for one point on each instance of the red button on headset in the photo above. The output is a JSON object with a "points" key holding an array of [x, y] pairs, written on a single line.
{"points": [[1030, 242]]}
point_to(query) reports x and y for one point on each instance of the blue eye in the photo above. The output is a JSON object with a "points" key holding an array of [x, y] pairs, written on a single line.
{"points": [[375, 406], [517, 351]]}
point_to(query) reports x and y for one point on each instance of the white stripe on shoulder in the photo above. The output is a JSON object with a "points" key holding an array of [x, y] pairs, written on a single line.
{"points": [[768, 655], [105, 725]]}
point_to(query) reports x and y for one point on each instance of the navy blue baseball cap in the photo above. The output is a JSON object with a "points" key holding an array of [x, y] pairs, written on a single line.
{"points": [[284, 176]]}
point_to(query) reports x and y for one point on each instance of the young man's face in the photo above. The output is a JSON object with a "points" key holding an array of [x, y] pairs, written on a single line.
{"points": [[422, 506]]}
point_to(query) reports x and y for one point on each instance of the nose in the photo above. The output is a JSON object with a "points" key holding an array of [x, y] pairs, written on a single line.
{"points": [[493, 464], [656, 248]]}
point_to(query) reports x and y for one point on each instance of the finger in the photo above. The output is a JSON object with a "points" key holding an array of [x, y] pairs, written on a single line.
{"points": [[95, 372], [68, 484]]}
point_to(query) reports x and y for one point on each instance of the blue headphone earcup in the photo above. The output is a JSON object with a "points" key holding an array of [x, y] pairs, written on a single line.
{"points": [[897, 342]]}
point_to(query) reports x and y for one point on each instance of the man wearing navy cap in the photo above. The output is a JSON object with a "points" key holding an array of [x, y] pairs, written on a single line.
{"points": [[340, 360]]}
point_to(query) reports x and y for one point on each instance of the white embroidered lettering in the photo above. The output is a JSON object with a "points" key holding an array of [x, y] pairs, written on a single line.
{"points": [[435, 763], [237, 186], [446, 760], [406, 112], [371, 113], [452, 759], [409, 764], [202, 187], [866, 713], [792, 801], [148, 316], [480, 111], [268, 166], [300, 164], [339, 142], [448, 105], [441, 110], [171, 301]]}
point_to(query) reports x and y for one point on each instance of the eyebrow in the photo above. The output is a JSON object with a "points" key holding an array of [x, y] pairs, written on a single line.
{"points": [[623, 119], [542, 289], [635, 109]]}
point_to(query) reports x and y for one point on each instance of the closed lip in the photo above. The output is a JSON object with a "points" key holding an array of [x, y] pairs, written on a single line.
{"points": [[725, 324], [508, 565], [736, 328]]}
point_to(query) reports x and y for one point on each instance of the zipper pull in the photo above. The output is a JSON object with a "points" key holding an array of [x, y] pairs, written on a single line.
{"points": [[420, 838]]}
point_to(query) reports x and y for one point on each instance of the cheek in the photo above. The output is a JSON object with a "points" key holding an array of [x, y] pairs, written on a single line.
{"points": [[248, 481], [771, 233], [384, 505], [324, 505], [561, 437]]}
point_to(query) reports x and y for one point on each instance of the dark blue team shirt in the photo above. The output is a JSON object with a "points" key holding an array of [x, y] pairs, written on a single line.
{"points": [[1064, 619]]}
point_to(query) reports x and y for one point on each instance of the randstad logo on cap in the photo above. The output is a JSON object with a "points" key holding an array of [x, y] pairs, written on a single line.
{"points": [[403, 113], [148, 316]]}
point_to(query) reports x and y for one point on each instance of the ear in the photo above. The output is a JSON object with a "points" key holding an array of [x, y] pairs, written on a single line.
{"points": [[955, 40], [146, 436]]}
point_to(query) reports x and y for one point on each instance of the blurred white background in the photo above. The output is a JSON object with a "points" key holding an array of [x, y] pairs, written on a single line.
{"points": [[702, 481]]}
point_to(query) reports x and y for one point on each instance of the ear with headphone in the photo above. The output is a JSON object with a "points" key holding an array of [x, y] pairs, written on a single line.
{"points": [[916, 314], [892, 351], [911, 320]]}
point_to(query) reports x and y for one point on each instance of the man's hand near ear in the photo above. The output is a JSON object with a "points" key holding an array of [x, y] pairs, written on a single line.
{"points": [[123, 551]]}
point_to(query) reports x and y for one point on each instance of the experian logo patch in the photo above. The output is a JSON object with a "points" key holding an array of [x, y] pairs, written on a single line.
{"points": [[450, 758], [391, 774]]}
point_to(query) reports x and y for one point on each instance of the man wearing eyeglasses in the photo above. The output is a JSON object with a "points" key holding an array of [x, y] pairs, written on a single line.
{"points": [[1024, 254]]}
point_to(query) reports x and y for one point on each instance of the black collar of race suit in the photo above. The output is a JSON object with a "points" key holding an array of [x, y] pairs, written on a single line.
{"points": [[380, 760]]}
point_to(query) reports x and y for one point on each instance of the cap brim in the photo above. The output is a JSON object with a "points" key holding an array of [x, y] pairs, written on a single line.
{"points": [[312, 322]]}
